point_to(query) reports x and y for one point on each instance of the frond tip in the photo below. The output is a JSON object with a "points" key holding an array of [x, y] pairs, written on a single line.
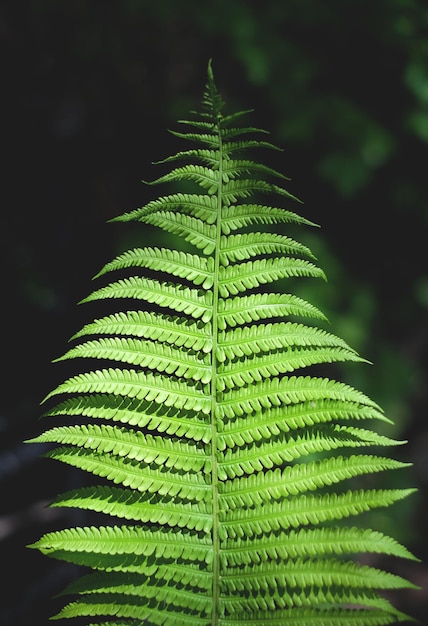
{"points": [[228, 468]]}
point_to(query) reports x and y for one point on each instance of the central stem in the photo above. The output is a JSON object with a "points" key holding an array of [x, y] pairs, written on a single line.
{"points": [[214, 419]]}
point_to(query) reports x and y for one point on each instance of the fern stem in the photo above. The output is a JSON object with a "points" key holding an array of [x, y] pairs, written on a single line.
{"points": [[214, 425]]}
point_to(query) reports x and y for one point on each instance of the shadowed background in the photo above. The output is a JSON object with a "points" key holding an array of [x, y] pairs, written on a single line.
{"points": [[88, 90]]}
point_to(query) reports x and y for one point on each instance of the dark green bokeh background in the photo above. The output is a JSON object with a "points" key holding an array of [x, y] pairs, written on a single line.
{"points": [[88, 89]]}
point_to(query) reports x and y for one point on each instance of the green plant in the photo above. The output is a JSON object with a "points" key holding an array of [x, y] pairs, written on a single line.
{"points": [[224, 480]]}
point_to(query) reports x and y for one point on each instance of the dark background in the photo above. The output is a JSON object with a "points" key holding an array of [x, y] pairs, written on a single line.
{"points": [[88, 89]]}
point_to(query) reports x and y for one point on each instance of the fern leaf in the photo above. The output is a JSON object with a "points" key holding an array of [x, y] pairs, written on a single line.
{"points": [[134, 384], [190, 267], [135, 475], [291, 544], [152, 355], [312, 599], [128, 540], [243, 215], [300, 573], [247, 245], [244, 188], [324, 616], [152, 508], [206, 156], [231, 147], [203, 138], [197, 206], [276, 484], [309, 509], [176, 297], [203, 176], [232, 167], [246, 371], [223, 475], [286, 390], [134, 412], [277, 450], [192, 229], [262, 426], [243, 276], [180, 332], [132, 445], [260, 306], [249, 340]]}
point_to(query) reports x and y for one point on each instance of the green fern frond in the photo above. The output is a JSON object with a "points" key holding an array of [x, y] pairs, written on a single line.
{"points": [[193, 268], [260, 306], [136, 475], [150, 354], [135, 384], [130, 444], [263, 487], [310, 543], [180, 298], [202, 207], [192, 229], [305, 510], [227, 470], [186, 333], [250, 340], [245, 215], [127, 504], [246, 245], [136, 413]]}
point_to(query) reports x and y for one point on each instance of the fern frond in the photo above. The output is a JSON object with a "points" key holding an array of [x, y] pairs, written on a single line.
{"points": [[134, 384], [136, 412], [130, 444], [197, 206], [112, 605], [241, 277], [244, 215], [247, 371], [250, 340], [261, 426], [276, 484], [236, 189], [275, 451], [181, 332], [106, 582], [226, 476], [128, 540], [135, 475], [318, 598], [231, 147], [246, 245], [151, 508], [319, 573], [203, 138], [313, 542], [260, 306], [286, 390], [233, 167], [150, 354], [208, 157], [324, 616], [193, 302], [306, 510], [204, 176], [192, 229], [193, 268]]}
